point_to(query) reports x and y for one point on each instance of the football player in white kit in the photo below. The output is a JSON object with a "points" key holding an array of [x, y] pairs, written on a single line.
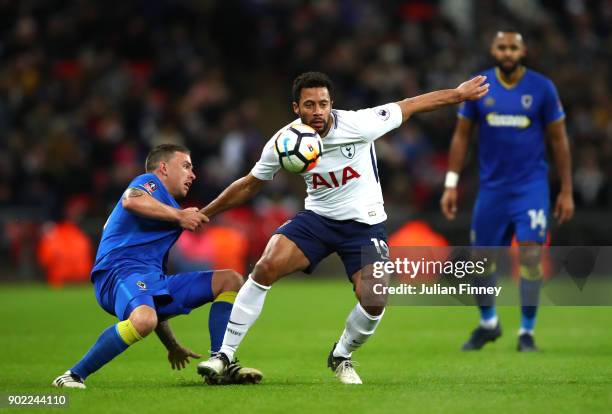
{"points": [[344, 210]]}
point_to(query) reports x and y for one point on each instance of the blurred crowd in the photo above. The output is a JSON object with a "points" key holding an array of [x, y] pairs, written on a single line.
{"points": [[87, 88]]}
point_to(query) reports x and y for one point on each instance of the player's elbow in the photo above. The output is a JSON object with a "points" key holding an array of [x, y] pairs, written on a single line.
{"points": [[251, 185], [460, 138], [129, 203], [126, 203], [558, 140], [407, 109]]}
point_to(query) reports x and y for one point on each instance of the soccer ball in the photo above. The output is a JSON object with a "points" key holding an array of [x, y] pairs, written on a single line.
{"points": [[299, 148]]}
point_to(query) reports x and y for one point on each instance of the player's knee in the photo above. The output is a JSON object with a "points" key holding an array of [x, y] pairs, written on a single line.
{"points": [[530, 262], [144, 319], [368, 296], [530, 256], [232, 281], [265, 271]]}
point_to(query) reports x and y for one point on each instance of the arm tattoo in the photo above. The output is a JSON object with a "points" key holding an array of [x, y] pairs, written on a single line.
{"points": [[134, 192]]}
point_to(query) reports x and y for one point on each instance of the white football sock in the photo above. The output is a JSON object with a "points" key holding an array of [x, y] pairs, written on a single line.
{"points": [[359, 327], [525, 331], [247, 307], [490, 323]]}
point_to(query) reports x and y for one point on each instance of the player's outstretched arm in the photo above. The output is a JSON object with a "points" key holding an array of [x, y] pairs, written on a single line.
{"points": [[564, 205], [177, 355], [458, 150], [470, 90], [238, 192], [141, 203]]}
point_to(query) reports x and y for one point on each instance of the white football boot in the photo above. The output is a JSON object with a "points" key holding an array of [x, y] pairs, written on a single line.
{"points": [[213, 369], [343, 368], [346, 373], [68, 380], [237, 374]]}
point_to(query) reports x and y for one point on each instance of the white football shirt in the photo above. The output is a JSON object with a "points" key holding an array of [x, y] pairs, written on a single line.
{"points": [[344, 185]]}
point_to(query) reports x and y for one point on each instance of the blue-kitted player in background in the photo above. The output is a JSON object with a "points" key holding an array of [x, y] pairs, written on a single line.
{"points": [[129, 274], [521, 110]]}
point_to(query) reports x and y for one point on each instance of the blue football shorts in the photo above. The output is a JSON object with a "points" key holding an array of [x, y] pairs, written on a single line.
{"points": [[522, 212], [120, 291]]}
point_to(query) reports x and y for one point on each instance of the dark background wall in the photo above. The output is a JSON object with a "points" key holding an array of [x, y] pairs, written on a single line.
{"points": [[86, 89]]}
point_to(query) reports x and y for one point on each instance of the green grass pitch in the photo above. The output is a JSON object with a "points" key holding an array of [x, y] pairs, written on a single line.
{"points": [[412, 364]]}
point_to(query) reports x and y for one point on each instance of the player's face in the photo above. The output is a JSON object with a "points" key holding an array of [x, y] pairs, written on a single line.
{"points": [[314, 109], [178, 173], [508, 49]]}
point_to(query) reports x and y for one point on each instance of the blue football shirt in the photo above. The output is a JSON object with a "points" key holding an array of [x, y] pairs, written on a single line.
{"points": [[131, 240], [512, 122]]}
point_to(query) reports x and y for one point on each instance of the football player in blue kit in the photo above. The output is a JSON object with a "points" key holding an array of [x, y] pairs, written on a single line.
{"points": [[514, 120], [129, 274]]}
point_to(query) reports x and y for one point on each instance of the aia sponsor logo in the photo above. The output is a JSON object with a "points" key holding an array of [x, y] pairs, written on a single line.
{"points": [[331, 180]]}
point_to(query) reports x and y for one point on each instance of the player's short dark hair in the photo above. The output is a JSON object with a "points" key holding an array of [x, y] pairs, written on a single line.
{"points": [[310, 80], [163, 152]]}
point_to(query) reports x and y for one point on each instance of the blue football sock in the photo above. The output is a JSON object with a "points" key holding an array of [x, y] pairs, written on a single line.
{"points": [[487, 312], [528, 317], [113, 341], [218, 317], [530, 294], [486, 303]]}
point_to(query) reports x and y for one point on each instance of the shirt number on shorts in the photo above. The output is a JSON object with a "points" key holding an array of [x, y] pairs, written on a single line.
{"points": [[538, 218], [382, 248]]}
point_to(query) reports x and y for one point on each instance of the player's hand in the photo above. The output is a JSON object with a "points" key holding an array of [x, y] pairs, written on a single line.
{"points": [[192, 218], [564, 207], [473, 89], [448, 203], [179, 357]]}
